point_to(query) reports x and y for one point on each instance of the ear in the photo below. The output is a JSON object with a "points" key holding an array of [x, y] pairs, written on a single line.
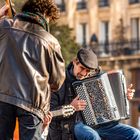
{"points": [[75, 61]]}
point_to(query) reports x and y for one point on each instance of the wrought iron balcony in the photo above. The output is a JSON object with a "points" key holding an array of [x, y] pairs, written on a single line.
{"points": [[61, 7], [103, 3], [134, 1], [117, 48], [81, 5]]}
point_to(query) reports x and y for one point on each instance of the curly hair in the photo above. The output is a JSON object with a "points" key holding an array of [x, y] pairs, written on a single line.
{"points": [[47, 7]]}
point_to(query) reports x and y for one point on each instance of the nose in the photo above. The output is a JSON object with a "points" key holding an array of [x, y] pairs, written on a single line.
{"points": [[84, 72]]}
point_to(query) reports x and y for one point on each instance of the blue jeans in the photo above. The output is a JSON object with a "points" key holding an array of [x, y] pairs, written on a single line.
{"points": [[116, 131]]}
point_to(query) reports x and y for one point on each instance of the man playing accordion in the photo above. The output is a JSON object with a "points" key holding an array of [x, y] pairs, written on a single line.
{"points": [[74, 127]]}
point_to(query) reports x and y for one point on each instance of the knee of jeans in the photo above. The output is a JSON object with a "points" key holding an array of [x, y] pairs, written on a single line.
{"points": [[136, 134], [93, 136]]}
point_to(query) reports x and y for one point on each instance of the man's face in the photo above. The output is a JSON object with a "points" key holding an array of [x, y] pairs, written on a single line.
{"points": [[79, 71]]}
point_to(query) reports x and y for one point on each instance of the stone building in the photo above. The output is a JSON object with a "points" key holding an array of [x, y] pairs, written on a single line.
{"points": [[112, 29]]}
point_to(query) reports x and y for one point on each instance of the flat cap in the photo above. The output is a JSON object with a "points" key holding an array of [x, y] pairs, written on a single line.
{"points": [[87, 58]]}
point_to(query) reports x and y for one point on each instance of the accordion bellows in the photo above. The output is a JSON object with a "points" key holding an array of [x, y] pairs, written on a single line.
{"points": [[105, 98]]}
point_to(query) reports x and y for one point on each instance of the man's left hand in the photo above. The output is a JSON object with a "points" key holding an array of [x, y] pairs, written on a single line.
{"points": [[130, 92], [47, 120]]}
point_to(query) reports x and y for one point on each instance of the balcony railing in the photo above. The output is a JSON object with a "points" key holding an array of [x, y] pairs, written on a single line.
{"points": [[117, 48], [103, 3], [81, 5], [61, 7], [134, 1]]}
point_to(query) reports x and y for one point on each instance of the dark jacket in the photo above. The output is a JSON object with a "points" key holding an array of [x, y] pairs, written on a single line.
{"points": [[62, 128], [31, 65]]}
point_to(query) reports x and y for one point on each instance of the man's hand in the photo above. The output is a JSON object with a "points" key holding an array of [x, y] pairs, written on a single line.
{"points": [[47, 120], [130, 92], [78, 104], [4, 10]]}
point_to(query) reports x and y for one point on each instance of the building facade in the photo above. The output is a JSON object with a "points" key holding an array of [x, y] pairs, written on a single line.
{"points": [[112, 29]]}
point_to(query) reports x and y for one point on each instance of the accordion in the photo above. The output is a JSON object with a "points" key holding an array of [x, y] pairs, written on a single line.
{"points": [[105, 96]]}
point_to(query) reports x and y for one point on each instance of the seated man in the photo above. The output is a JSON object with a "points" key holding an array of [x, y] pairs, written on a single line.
{"points": [[60, 127]]}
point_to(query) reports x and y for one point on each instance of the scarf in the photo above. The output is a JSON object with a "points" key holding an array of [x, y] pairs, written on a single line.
{"points": [[35, 18]]}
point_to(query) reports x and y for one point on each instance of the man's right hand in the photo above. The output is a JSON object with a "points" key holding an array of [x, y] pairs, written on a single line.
{"points": [[4, 10], [78, 104]]}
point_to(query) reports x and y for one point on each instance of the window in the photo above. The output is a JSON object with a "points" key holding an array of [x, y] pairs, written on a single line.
{"points": [[81, 4], [82, 34], [134, 1], [135, 33], [103, 3], [104, 36], [135, 28], [60, 4]]}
